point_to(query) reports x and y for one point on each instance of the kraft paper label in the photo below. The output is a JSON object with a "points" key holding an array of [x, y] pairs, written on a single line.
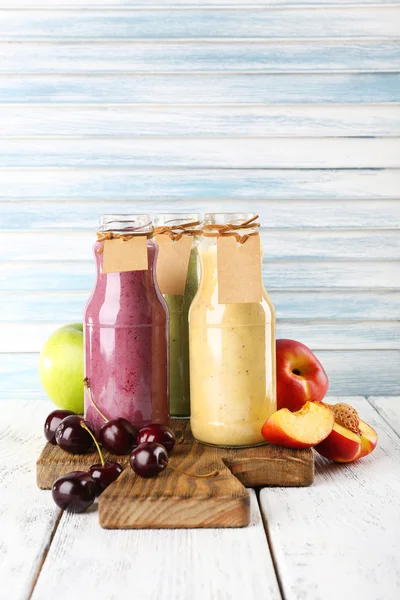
{"points": [[173, 263], [239, 270], [120, 256]]}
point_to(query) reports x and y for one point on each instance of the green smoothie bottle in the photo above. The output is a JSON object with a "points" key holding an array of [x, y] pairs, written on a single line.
{"points": [[176, 225]]}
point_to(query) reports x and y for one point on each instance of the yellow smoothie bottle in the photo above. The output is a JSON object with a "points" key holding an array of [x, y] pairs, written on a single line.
{"points": [[232, 355]]}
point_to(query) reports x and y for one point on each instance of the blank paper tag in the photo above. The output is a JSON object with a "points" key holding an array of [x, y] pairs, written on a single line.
{"points": [[172, 263], [120, 256], [239, 270]]}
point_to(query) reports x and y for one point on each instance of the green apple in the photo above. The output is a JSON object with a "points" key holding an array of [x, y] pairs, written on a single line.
{"points": [[61, 367]]}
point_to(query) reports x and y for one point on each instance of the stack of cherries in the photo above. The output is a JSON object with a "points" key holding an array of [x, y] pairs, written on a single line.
{"points": [[148, 447]]}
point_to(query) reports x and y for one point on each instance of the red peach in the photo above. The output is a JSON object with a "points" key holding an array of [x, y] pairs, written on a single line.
{"points": [[300, 376]]}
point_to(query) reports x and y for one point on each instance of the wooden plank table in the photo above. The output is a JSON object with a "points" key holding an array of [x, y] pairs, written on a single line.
{"points": [[337, 539]]}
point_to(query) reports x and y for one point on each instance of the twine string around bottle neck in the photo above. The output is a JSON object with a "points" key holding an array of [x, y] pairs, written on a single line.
{"points": [[103, 236], [175, 232], [232, 229]]}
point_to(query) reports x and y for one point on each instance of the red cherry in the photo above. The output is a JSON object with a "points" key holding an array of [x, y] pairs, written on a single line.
{"points": [[148, 459], [118, 436], [72, 437], [75, 491], [105, 474], [161, 434], [52, 422]]}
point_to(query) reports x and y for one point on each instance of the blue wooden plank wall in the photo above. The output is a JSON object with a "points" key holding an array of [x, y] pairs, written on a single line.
{"points": [[290, 108]]}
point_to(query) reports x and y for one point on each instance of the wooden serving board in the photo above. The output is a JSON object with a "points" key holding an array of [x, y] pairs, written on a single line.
{"points": [[174, 500]]}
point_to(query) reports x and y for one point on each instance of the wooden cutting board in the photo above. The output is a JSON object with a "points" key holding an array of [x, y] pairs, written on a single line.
{"points": [[173, 500]]}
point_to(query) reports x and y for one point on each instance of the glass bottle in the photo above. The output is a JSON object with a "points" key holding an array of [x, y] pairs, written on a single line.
{"points": [[232, 356], [178, 306], [126, 336]]}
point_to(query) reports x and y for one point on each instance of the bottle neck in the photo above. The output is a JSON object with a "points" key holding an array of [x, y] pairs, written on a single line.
{"points": [[126, 299], [126, 224], [208, 286], [145, 279]]}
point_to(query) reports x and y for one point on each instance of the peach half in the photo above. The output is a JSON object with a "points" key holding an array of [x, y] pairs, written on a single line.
{"points": [[343, 445], [369, 439], [302, 429]]}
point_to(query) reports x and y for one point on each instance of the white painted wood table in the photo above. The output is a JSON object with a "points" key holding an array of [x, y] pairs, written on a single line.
{"points": [[339, 538]]}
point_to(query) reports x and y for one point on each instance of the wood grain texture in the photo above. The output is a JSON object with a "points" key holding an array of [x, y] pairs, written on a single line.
{"points": [[286, 107], [318, 334], [55, 4], [62, 307], [175, 500], [223, 502], [120, 4], [20, 375], [389, 409], [357, 371], [201, 120], [132, 559], [27, 516], [280, 214], [212, 185], [217, 564], [244, 22], [232, 153], [277, 274], [229, 89], [248, 56], [341, 539], [299, 244]]}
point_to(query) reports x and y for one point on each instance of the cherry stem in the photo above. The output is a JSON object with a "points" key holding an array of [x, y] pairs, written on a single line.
{"points": [[205, 476], [181, 438], [93, 403], [84, 426]]}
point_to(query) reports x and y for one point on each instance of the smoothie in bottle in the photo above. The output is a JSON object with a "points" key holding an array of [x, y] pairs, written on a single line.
{"points": [[126, 333], [232, 357], [178, 306]]}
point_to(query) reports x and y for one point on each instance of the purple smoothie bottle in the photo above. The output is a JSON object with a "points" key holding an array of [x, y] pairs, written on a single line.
{"points": [[126, 337]]}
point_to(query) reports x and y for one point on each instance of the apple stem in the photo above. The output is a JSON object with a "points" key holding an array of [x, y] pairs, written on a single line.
{"points": [[205, 476], [93, 403], [84, 426]]}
